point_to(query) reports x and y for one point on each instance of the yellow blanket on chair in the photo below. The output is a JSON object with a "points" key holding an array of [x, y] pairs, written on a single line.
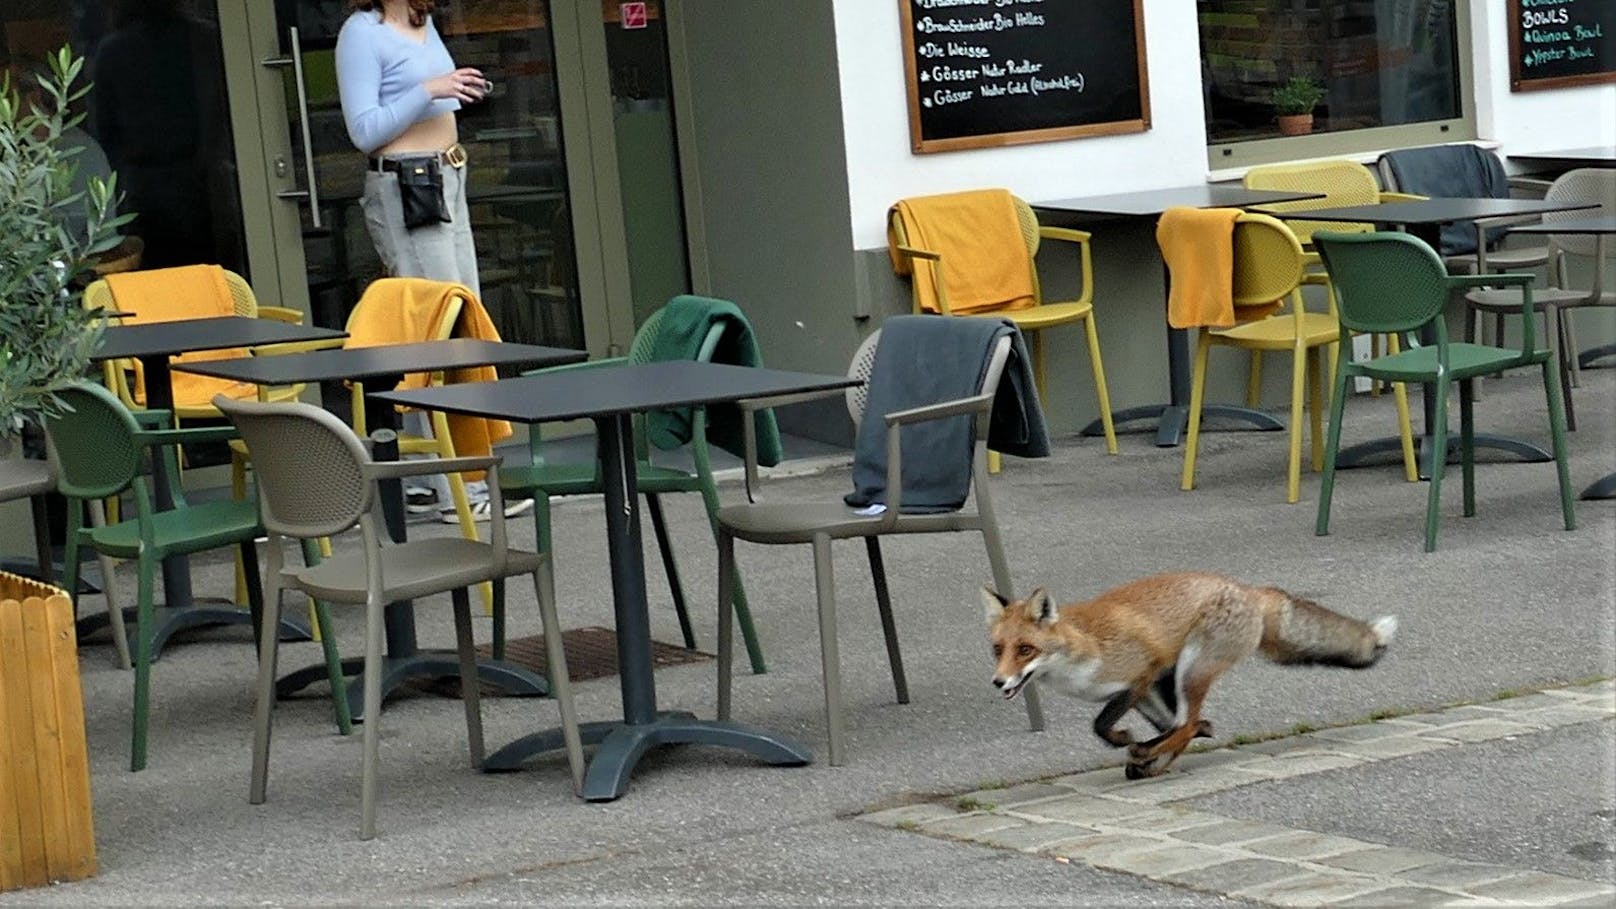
{"points": [[984, 262], [407, 310], [1198, 246], [172, 294]]}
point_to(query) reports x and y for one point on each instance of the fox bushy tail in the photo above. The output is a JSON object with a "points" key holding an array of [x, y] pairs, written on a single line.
{"points": [[1298, 631]]}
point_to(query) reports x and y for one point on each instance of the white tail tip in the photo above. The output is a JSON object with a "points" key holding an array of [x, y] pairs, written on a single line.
{"points": [[1384, 627]]}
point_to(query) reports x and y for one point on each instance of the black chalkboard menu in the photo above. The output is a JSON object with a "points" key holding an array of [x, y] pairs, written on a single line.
{"points": [[1556, 43], [1004, 72]]}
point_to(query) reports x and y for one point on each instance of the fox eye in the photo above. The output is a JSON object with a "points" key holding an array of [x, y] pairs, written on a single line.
{"points": [[998, 650], [1026, 650]]}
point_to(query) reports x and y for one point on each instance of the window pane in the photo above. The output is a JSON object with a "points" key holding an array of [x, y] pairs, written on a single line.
{"points": [[1376, 63]]}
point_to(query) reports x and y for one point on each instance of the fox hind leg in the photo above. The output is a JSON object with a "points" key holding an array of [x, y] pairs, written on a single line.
{"points": [[1159, 706], [1152, 758]]}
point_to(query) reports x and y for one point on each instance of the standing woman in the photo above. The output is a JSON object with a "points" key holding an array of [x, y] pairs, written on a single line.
{"points": [[400, 90]]}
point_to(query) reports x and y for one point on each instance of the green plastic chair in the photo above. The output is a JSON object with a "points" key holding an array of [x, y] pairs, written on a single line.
{"points": [[1392, 282], [99, 446], [540, 480]]}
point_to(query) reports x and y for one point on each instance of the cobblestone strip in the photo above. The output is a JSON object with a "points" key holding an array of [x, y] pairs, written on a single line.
{"points": [[1105, 821]]}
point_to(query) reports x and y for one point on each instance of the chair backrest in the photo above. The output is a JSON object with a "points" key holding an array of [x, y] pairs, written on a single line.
{"points": [[93, 442], [309, 466], [1268, 260], [1342, 182], [1457, 170], [1587, 184], [1385, 281]]}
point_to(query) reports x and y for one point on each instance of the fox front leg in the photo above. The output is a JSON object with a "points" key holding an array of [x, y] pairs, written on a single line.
{"points": [[1105, 724]]}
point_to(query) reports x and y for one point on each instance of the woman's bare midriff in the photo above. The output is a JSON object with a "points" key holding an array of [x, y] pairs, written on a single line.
{"points": [[426, 136]]}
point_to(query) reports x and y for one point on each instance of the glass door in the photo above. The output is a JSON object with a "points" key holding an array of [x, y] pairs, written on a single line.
{"points": [[519, 182]]}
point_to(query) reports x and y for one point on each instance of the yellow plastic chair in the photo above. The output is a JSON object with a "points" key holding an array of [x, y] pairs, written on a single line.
{"points": [[440, 442], [1269, 266], [1035, 319], [1343, 182]]}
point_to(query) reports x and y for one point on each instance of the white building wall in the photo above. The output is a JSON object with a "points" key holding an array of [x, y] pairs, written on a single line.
{"points": [[881, 167]]}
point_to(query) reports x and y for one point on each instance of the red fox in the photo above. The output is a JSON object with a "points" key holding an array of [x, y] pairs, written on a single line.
{"points": [[1157, 644]]}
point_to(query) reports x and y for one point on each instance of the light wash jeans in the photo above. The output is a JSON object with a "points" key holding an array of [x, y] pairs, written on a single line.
{"points": [[441, 252]]}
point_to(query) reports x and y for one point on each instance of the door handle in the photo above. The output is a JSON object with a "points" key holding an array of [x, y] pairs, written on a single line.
{"points": [[295, 60]]}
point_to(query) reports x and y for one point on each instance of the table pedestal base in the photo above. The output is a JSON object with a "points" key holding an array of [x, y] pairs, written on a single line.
{"points": [[1174, 419], [1602, 488], [169, 620], [621, 745], [1362, 454], [1587, 358], [430, 665]]}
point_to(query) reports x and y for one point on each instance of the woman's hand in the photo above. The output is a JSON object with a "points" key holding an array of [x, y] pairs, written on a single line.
{"points": [[465, 84]]}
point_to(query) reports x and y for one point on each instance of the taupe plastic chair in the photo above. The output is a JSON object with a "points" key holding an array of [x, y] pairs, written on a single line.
{"points": [[316, 479], [820, 523]]}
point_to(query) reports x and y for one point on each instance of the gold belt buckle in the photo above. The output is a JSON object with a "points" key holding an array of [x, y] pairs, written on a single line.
{"points": [[455, 155]]}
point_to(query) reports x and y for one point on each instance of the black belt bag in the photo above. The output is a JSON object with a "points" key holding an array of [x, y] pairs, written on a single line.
{"points": [[420, 189]]}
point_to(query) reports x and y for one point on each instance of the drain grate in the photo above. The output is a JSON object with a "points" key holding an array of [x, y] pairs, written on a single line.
{"points": [[591, 654]]}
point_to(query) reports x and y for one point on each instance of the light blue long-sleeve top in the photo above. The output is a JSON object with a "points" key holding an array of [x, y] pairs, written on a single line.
{"points": [[379, 76]]}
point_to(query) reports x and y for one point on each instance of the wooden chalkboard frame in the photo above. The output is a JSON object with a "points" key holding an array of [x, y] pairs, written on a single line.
{"points": [[922, 145], [1521, 83]]}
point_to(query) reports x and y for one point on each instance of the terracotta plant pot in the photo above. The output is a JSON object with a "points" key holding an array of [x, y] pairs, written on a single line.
{"points": [[45, 830], [1295, 124]]}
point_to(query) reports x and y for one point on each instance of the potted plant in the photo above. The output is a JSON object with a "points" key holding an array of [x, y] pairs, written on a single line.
{"points": [[1294, 101], [46, 336]]}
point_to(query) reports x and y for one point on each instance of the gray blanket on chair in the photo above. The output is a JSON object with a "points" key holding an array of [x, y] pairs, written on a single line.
{"points": [[930, 359], [1453, 171]]}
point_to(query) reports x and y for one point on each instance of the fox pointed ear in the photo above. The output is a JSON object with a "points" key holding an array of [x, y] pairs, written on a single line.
{"points": [[1041, 608], [992, 605]]}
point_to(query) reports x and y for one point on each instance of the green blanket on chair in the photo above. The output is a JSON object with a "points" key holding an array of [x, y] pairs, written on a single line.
{"points": [[686, 321]]}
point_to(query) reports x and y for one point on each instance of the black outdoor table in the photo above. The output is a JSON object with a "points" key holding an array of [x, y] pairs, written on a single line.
{"points": [[153, 343], [611, 396], [1424, 219], [1173, 417], [1602, 226], [381, 368]]}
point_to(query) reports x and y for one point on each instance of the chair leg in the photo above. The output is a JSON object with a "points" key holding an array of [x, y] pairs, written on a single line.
{"points": [[373, 719], [1001, 580], [743, 612], [328, 644], [247, 553], [1557, 431], [1564, 358], [1101, 391], [830, 653], [1293, 464], [470, 688], [42, 539], [457, 494], [726, 621], [1192, 443], [238, 492], [143, 652], [1315, 406], [1254, 380], [1405, 425], [889, 628], [1438, 465], [659, 525], [1332, 446], [120, 634], [560, 680], [264, 706], [1467, 444]]}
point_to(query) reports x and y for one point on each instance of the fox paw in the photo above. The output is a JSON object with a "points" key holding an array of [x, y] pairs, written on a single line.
{"points": [[1203, 729], [1140, 770]]}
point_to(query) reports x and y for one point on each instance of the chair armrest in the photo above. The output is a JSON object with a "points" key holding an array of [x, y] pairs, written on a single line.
{"points": [[156, 419], [394, 470], [1401, 197], [1065, 234], [293, 347], [182, 436], [915, 252], [958, 407], [1530, 184], [749, 407], [1502, 279], [753, 405], [281, 314], [583, 364]]}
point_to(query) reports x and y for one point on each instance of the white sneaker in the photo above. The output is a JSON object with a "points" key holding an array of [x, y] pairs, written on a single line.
{"points": [[482, 511], [420, 500]]}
